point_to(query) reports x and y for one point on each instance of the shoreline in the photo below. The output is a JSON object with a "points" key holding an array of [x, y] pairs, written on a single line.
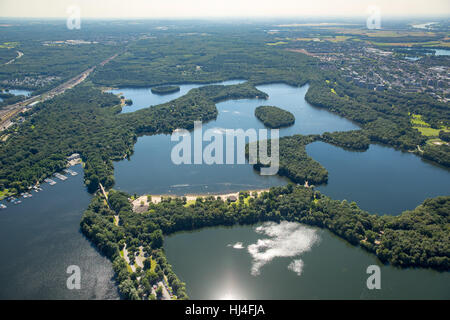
{"points": [[155, 199]]}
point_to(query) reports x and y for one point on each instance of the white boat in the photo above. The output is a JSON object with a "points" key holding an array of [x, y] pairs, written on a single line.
{"points": [[71, 172]]}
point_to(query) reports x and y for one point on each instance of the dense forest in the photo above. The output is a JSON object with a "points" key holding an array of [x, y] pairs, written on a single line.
{"points": [[204, 59], [351, 140], [9, 98], [98, 225], [439, 154], [47, 64], [295, 163], [444, 136], [165, 89], [274, 117], [417, 238], [7, 54], [87, 121], [384, 116]]}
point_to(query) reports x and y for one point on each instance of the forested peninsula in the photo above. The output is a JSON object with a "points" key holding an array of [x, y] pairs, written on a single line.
{"points": [[416, 238], [87, 121]]}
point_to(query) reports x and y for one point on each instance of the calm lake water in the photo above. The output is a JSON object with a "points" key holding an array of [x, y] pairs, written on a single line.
{"points": [[143, 97], [380, 180], [298, 262], [309, 263], [18, 92], [40, 238], [150, 169], [442, 52]]}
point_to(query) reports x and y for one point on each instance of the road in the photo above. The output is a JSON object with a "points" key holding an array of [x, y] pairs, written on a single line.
{"points": [[8, 112], [19, 55]]}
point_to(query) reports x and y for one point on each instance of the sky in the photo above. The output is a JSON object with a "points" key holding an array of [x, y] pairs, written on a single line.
{"points": [[220, 8]]}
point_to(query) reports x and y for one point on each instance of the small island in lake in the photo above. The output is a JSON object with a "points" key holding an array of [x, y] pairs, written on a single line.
{"points": [[274, 117], [165, 89]]}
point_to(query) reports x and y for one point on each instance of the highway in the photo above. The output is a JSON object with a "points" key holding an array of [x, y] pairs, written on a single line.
{"points": [[9, 112]]}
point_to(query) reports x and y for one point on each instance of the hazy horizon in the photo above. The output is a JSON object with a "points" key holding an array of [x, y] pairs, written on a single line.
{"points": [[181, 9]]}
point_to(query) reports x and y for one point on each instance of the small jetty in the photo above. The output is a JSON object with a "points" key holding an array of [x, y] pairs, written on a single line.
{"points": [[50, 181], [71, 172], [60, 176]]}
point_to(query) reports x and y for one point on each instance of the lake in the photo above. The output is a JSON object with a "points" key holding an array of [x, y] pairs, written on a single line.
{"points": [[442, 52], [41, 237], [380, 180], [219, 263], [150, 169], [18, 92], [143, 97], [293, 262]]}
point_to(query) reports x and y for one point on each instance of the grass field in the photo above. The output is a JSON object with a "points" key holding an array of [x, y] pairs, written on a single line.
{"points": [[424, 127], [246, 201], [9, 45], [276, 43], [4, 193], [428, 132], [152, 264], [416, 119], [189, 203], [326, 38], [429, 44], [382, 33]]}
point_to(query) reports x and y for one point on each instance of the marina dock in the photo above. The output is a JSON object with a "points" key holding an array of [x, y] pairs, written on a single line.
{"points": [[50, 181], [60, 176]]}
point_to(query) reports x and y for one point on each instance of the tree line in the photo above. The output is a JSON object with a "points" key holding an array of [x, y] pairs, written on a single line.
{"points": [[416, 238], [274, 117]]}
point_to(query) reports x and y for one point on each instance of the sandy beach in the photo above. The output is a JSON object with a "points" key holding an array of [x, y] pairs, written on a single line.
{"points": [[141, 204]]}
